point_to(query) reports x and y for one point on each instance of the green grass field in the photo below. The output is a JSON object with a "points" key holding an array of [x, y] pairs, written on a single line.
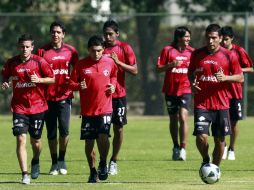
{"points": [[145, 161]]}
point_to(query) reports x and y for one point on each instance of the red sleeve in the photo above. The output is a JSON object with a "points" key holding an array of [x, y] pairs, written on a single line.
{"points": [[113, 76], [46, 69], [74, 79], [74, 58], [245, 60], [235, 67], [191, 67], [130, 56], [163, 59]]}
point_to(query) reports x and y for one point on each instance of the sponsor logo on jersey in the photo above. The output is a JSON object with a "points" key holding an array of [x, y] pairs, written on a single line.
{"points": [[25, 85], [211, 62], [87, 71], [208, 78], [22, 70], [106, 72], [61, 71], [59, 57], [179, 70], [181, 58]]}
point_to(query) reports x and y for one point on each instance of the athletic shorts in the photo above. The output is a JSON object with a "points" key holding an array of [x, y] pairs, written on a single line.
{"points": [[235, 109], [92, 126], [58, 115], [119, 116], [218, 119], [173, 103], [31, 123]]}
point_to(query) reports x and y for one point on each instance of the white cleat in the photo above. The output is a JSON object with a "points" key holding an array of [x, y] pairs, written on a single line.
{"points": [[62, 167], [182, 155], [231, 155], [53, 170], [25, 179], [112, 168]]}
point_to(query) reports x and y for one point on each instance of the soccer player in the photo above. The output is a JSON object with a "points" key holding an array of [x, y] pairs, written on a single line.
{"points": [[125, 59], [95, 78], [61, 57], [174, 61], [236, 97], [29, 73], [211, 68]]}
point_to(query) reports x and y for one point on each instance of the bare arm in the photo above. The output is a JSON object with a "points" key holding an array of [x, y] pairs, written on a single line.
{"points": [[45, 80], [229, 78], [169, 65]]}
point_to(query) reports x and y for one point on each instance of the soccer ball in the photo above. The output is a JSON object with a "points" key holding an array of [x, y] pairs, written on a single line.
{"points": [[210, 173]]}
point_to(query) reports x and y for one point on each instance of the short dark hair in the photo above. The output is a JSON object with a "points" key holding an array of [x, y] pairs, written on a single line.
{"points": [[213, 28], [111, 24], [227, 31], [179, 33], [57, 23], [25, 37], [95, 41]]}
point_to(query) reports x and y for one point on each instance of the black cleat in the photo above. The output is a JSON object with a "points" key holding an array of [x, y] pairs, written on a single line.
{"points": [[93, 178], [102, 171]]}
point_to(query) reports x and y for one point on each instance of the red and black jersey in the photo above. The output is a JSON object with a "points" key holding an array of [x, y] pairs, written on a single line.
{"points": [[126, 55], [176, 82], [60, 61], [245, 62], [28, 98], [214, 95], [94, 99]]}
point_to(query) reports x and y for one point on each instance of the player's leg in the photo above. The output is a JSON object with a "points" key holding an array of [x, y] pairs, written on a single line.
{"points": [[103, 144], [235, 115], [89, 134], [20, 128], [51, 125], [183, 127], [35, 131], [172, 104], [219, 145], [119, 119], [64, 124]]}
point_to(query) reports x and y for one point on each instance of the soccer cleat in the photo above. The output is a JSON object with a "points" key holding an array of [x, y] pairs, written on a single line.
{"points": [[102, 171], [112, 168], [35, 171], [62, 167], [25, 179], [93, 177], [182, 154], [176, 152], [231, 155], [205, 161], [225, 153], [53, 170]]}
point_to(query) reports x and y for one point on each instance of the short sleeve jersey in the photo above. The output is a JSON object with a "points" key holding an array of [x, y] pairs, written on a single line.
{"points": [[28, 98], [60, 61], [245, 62], [97, 75], [214, 95], [176, 82], [126, 55]]}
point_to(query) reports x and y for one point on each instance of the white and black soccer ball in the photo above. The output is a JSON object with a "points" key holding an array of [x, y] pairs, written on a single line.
{"points": [[210, 173]]}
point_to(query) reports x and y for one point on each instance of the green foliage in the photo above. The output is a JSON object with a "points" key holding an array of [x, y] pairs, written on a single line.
{"points": [[144, 161]]}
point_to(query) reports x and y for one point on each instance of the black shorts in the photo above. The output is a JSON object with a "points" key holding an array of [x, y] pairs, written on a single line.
{"points": [[173, 103], [218, 119], [31, 123], [92, 126], [58, 112], [119, 116], [235, 109]]}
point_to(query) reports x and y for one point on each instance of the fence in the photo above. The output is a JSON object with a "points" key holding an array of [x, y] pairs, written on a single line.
{"points": [[148, 33]]}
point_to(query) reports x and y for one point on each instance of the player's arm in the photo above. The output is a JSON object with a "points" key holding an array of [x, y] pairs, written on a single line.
{"points": [[192, 76], [132, 69], [174, 63], [5, 77], [247, 70], [44, 80]]}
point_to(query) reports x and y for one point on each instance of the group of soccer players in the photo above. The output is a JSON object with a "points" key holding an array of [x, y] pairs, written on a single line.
{"points": [[214, 74], [43, 86]]}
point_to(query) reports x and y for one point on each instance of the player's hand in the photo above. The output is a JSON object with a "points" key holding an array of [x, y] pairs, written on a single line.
{"points": [[34, 78], [220, 76], [5, 85], [83, 84], [176, 63], [195, 86], [114, 56], [110, 89]]}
